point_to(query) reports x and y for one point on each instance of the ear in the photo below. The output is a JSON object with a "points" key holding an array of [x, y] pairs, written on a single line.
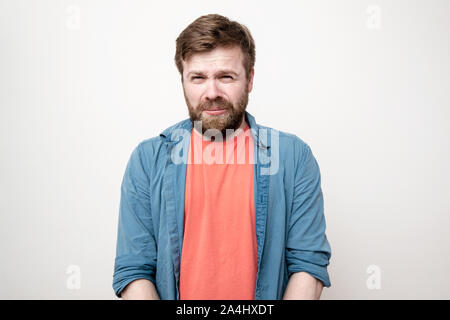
{"points": [[250, 80]]}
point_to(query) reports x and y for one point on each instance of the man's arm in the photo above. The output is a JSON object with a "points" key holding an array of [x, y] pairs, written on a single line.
{"points": [[136, 251], [141, 289], [303, 286], [307, 248]]}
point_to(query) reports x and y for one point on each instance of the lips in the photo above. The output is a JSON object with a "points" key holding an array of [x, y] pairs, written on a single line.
{"points": [[215, 108], [215, 111]]}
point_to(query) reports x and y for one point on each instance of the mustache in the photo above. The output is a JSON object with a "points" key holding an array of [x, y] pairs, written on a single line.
{"points": [[216, 104]]}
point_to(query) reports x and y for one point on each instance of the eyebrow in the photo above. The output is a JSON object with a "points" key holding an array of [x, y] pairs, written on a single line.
{"points": [[225, 71]]}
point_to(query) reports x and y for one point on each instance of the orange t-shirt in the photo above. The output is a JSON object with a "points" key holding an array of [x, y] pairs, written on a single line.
{"points": [[219, 254]]}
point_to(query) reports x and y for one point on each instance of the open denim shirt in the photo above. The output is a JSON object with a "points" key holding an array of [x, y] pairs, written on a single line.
{"points": [[289, 217]]}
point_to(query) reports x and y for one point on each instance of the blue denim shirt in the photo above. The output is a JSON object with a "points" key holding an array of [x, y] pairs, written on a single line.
{"points": [[289, 215]]}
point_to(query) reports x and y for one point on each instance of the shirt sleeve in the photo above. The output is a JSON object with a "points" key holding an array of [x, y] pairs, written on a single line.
{"points": [[307, 247], [136, 245]]}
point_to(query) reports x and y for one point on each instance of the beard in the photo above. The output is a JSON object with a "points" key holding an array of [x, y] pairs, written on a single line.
{"points": [[231, 119]]}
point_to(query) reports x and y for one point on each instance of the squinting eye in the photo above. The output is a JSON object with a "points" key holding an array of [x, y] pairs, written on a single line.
{"points": [[230, 77], [196, 77]]}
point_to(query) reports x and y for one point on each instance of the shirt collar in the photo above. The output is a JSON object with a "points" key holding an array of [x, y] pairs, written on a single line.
{"points": [[187, 125]]}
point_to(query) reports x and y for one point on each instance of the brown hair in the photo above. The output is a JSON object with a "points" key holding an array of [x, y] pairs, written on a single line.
{"points": [[211, 31]]}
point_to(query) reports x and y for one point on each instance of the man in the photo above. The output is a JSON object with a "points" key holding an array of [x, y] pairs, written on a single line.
{"points": [[218, 206]]}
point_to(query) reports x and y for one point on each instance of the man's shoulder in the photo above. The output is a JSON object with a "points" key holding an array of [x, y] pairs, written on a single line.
{"points": [[148, 144], [152, 145], [286, 139], [291, 138]]}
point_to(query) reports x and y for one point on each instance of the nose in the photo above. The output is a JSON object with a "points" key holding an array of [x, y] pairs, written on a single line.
{"points": [[212, 90]]}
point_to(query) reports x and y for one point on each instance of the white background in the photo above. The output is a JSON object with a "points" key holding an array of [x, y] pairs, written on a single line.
{"points": [[365, 83]]}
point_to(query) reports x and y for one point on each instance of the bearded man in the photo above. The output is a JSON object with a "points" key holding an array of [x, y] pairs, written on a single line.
{"points": [[218, 206]]}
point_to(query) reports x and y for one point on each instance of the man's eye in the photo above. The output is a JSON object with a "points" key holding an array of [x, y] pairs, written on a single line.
{"points": [[197, 78], [230, 77]]}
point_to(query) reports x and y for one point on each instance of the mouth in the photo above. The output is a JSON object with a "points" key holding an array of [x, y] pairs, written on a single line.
{"points": [[215, 111]]}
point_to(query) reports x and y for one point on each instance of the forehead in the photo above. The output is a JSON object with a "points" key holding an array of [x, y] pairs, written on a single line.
{"points": [[215, 60]]}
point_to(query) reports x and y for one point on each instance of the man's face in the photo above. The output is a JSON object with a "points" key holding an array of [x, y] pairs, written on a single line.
{"points": [[216, 88]]}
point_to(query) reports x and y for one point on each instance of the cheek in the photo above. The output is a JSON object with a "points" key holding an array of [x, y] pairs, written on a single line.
{"points": [[193, 95], [237, 93]]}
